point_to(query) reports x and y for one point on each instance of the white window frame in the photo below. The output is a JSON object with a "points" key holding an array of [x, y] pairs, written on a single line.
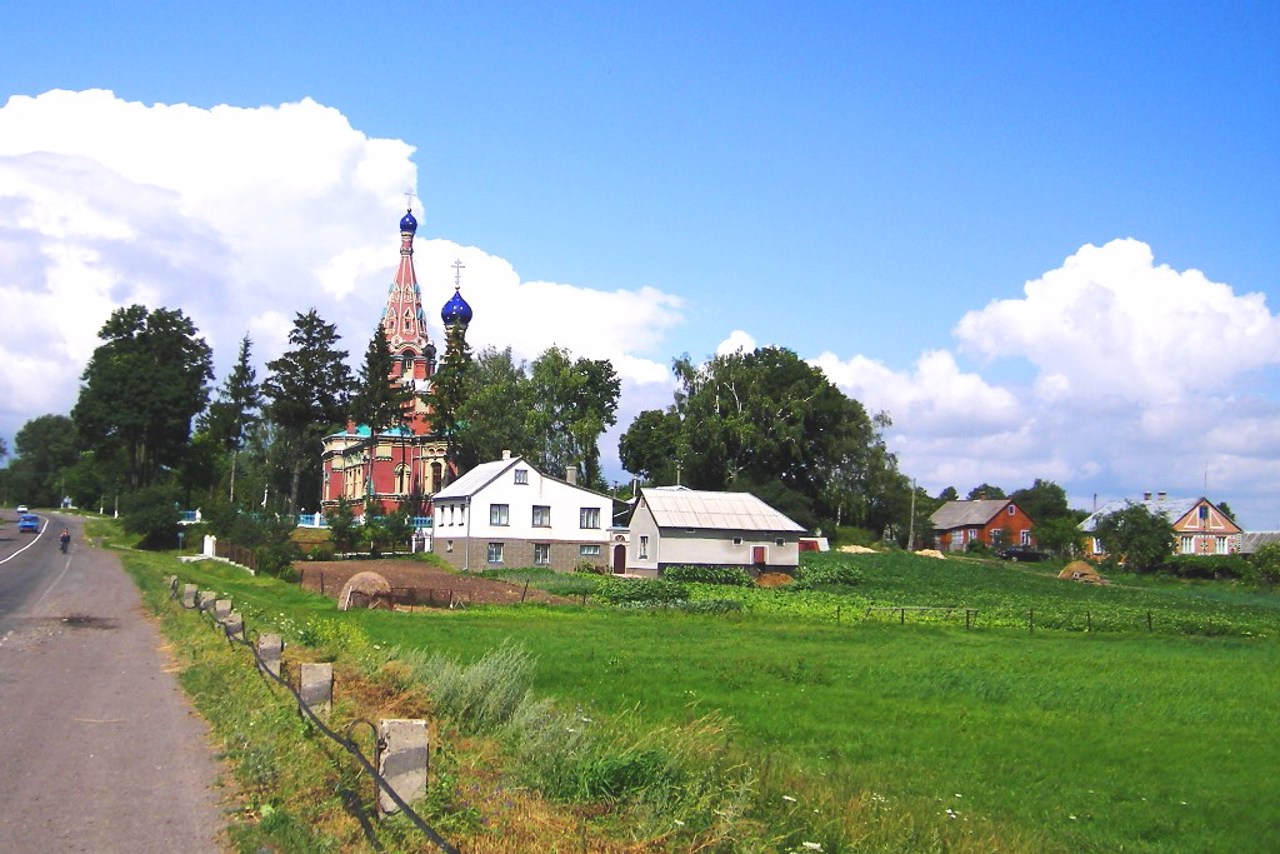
{"points": [[494, 554], [522, 476], [500, 515], [1220, 546], [1024, 537], [542, 554], [644, 547], [542, 519], [589, 550], [589, 517], [1188, 544]]}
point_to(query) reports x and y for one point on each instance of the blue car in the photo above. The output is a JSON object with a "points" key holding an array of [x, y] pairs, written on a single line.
{"points": [[29, 523]]}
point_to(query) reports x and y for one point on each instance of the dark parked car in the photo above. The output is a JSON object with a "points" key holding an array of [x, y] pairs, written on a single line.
{"points": [[1017, 553], [29, 522]]}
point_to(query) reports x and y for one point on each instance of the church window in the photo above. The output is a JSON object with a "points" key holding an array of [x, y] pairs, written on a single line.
{"points": [[437, 471], [499, 514], [541, 516], [402, 479]]}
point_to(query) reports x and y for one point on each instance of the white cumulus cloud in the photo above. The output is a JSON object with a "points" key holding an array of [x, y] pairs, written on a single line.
{"points": [[243, 217]]}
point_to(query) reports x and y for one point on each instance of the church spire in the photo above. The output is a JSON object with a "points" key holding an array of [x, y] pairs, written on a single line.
{"points": [[404, 320]]}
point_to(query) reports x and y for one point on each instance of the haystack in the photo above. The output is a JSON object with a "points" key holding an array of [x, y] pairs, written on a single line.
{"points": [[934, 553], [774, 579], [857, 550], [1082, 571], [362, 589]]}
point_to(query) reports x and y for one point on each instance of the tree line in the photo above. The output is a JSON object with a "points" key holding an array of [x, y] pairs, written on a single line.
{"points": [[148, 429]]}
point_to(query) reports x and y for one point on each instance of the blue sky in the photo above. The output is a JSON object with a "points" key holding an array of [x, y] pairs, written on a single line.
{"points": [[872, 187]]}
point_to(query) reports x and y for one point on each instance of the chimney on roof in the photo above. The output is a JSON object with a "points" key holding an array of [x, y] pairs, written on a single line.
{"points": [[1146, 496], [506, 453], [1162, 495], [571, 475]]}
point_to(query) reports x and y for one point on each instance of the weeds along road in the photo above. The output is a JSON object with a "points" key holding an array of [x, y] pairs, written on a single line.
{"points": [[101, 750]]}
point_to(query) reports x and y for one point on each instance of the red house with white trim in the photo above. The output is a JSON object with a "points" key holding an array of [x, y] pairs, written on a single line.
{"points": [[994, 522]]}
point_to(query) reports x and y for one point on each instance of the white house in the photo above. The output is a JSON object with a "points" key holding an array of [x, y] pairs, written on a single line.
{"points": [[507, 513], [675, 526]]}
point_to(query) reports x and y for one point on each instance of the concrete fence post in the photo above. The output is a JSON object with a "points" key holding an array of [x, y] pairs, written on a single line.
{"points": [[315, 686], [221, 609], [188, 595], [270, 649], [402, 760], [206, 600], [234, 625]]}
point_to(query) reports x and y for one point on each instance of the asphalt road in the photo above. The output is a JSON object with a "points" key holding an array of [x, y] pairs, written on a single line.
{"points": [[99, 748]]}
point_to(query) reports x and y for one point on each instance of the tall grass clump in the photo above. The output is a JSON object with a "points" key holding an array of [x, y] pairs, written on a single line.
{"points": [[482, 697]]}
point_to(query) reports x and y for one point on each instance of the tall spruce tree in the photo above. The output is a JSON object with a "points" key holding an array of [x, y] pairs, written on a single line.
{"points": [[235, 411], [449, 393], [378, 402], [308, 392]]}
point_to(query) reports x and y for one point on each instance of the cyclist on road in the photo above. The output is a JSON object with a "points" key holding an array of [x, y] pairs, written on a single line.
{"points": [[65, 539]]}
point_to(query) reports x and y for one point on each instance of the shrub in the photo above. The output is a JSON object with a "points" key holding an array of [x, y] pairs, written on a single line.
{"points": [[1209, 566], [151, 514], [826, 575], [1266, 564], [978, 548], [641, 591], [734, 576]]}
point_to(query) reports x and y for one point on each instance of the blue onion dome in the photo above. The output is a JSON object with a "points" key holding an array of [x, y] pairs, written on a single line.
{"points": [[408, 223], [456, 310]]}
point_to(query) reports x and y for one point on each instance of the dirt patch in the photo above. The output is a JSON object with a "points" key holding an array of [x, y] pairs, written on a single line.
{"points": [[328, 577]]}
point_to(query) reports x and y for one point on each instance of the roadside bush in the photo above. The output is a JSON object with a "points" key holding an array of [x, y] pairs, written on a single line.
{"points": [[1265, 565], [734, 576], [641, 591], [978, 548], [824, 574], [152, 515]]}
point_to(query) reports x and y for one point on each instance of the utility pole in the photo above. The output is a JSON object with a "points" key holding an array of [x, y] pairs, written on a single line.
{"points": [[911, 526]]}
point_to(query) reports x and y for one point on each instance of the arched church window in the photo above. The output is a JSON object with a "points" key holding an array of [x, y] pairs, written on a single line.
{"points": [[437, 472], [402, 479]]}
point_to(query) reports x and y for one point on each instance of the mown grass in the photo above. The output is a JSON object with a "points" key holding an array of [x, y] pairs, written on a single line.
{"points": [[875, 736]]}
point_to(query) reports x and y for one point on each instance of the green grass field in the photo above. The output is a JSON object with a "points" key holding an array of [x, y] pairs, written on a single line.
{"points": [[1119, 739]]}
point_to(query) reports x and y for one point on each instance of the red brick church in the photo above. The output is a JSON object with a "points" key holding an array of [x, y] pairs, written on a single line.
{"points": [[406, 463]]}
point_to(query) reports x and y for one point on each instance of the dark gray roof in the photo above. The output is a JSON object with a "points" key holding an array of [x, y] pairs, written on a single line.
{"points": [[965, 514], [1254, 540]]}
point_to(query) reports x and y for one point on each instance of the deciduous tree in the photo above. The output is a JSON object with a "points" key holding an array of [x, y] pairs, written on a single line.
{"points": [[141, 389], [1136, 537]]}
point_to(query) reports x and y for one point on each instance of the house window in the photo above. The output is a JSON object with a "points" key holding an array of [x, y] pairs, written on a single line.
{"points": [[499, 513], [737, 541], [1220, 545], [1024, 537], [541, 554], [589, 517], [541, 516], [997, 536], [778, 541], [1097, 546], [973, 534], [522, 476], [1012, 509], [589, 551], [495, 553], [1188, 545], [644, 547]]}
